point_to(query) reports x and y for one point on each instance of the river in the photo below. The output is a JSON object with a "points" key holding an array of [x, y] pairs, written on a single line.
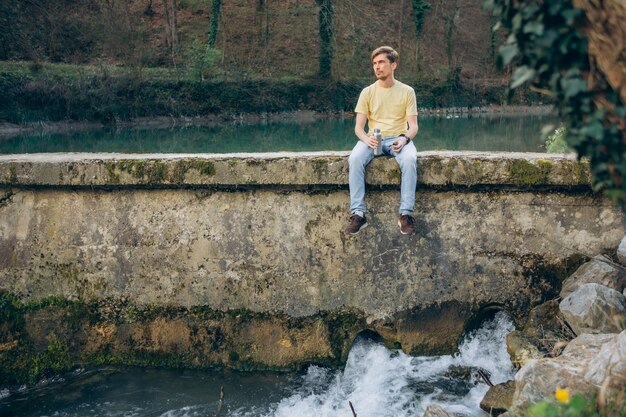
{"points": [[509, 133], [376, 380]]}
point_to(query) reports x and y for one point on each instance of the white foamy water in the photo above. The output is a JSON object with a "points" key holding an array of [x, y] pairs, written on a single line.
{"points": [[382, 382]]}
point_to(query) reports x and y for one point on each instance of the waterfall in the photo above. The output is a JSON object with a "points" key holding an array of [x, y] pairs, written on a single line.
{"points": [[382, 382]]}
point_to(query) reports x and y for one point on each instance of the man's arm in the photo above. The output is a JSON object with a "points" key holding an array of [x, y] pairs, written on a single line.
{"points": [[413, 128], [359, 131]]}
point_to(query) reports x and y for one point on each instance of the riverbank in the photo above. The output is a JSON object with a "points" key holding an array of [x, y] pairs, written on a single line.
{"points": [[43, 95]]}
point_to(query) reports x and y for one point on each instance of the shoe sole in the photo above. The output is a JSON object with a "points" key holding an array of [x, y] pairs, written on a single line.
{"points": [[402, 231], [359, 231]]}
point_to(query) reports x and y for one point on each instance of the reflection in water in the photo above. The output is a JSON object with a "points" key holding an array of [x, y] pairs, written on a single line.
{"points": [[378, 381], [484, 133]]}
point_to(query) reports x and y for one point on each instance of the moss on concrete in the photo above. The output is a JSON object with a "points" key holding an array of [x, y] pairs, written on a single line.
{"points": [[12, 177], [156, 171], [578, 171], [523, 172], [119, 332], [320, 167], [343, 326], [114, 178]]}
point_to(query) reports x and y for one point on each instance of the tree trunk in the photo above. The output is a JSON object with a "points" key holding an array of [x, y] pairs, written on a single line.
{"points": [[326, 38], [171, 27], [606, 34]]}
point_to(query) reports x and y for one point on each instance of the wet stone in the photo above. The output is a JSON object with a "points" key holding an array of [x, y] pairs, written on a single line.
{"points": [[499, 398]]}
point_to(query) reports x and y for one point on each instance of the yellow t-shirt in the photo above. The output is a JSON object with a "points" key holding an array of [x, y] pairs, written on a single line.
{"points": [[387, 108]]}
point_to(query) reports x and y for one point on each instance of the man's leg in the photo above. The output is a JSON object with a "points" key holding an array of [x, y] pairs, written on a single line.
{"points": [[407, 159], [360, 157]]}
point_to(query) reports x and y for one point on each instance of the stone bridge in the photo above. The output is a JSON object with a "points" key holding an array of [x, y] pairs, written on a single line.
{"points": [[239, 260]]}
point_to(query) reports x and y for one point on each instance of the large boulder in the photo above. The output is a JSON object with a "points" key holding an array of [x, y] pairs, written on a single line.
{"points": [[521, 348], [599, 270], [594, 308], [610, 362], [621, 251], [577, 369], [499, 398]]}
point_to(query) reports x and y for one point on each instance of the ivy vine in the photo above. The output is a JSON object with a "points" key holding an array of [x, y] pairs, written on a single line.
{"points": [[547, 46], [216, 9], [420, 9], [326, 38]]}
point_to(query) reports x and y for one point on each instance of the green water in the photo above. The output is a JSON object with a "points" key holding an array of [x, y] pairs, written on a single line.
{"points": [[478, 133]]}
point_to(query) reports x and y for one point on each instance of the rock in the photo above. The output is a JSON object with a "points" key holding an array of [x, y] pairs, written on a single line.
{"points": [[499, 398], [435, 410], [594, 308], [621, 251], [599, 270], [547, 327], [576, 369], [521, 348], [611, 361], [543, 318]]}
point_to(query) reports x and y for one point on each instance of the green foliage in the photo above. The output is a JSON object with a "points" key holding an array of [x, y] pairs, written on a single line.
{"points": [[110, 94], [577, 406], [550, 53], [10, 311], [556, 143], [202, 60], [111, 97]]}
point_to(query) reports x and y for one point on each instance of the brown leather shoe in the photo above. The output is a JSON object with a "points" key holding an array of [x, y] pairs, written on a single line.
{"points": [[356, 224], [407, 224]]}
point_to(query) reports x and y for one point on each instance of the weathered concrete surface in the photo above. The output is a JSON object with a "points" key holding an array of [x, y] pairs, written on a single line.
{"points": [[287, 168], [264, 233]]}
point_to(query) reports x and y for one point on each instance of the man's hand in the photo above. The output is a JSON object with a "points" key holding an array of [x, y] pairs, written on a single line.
{"points": [[399, 143], [371, 141]]}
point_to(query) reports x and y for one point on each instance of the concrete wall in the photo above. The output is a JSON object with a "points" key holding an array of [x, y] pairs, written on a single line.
{"points": [[264, 233]]}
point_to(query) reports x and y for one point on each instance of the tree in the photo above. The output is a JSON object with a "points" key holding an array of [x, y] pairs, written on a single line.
{"points": [[170, 8], [420, 9], [450, 25], [574, 51], [326, 38]]}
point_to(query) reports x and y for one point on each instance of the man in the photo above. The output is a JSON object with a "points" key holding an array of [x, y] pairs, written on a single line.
{"points": [[390, 106]]}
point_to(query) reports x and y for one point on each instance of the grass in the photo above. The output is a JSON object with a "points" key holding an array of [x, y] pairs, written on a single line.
{"points": [[72, 72]]}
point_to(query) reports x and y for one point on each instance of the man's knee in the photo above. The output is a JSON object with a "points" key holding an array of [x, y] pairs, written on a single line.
{"points": [[409, 162], [357, 159]]}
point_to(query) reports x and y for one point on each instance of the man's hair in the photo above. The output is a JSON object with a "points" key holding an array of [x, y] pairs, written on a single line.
{"points": [[391, 53]]}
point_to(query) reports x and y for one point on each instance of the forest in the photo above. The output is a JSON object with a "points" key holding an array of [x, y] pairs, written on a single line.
{"points": [[113, 59], [255, 38]]}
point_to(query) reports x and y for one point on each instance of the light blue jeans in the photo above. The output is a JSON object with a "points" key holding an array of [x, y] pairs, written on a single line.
{"points": [[362, 155]]}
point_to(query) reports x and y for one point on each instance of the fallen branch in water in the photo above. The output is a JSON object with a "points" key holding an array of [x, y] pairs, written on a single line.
{"points": [[352, 408], [485, 378]]}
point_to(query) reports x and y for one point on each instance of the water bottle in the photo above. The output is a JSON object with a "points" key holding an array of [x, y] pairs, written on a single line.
{"points": [[379, 137]]}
